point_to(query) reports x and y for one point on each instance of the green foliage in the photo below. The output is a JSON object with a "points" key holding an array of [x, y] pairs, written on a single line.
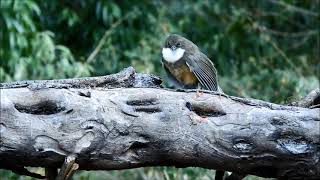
{"points": [[248, 41], [262, 49], [27, 50], [152, 173]]}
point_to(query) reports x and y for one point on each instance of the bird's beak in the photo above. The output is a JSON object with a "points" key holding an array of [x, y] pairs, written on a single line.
{"points": [[173, 48]]}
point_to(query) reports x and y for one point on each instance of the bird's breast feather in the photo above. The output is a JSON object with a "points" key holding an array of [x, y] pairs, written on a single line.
{"points": [[172, 56]]}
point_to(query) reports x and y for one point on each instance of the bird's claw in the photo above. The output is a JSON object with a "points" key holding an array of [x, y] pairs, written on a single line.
{"points": [[195, 119]]}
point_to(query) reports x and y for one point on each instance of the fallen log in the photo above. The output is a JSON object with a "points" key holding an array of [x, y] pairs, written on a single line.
{"points": [[127, 120]]}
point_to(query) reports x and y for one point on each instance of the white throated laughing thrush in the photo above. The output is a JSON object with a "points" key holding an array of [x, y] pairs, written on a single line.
{"points": [[186, 66]]}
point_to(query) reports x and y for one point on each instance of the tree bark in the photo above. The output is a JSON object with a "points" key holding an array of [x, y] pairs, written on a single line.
{"points": [[127, 120]]}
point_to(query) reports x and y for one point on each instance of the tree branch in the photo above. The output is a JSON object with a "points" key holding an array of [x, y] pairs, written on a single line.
{"points": [[119, 122], [312, 100]]}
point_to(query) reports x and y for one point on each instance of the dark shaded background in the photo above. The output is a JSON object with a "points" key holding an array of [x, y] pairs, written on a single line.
{"points": [[262, 49]]}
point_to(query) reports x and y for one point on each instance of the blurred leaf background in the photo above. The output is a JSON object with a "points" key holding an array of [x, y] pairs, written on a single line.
{"points": [[265, 49]]}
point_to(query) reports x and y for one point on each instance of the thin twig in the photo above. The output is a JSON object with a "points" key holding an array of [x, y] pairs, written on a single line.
{"points": [[288, 34], [104, 37], [255, 26], [285, 57], [292, 8]]}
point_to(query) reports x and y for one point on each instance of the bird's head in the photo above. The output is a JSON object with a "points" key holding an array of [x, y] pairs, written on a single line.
{"points": [[174, 42], [175, 47]]}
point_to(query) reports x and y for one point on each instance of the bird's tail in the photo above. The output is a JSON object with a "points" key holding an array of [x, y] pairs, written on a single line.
{"points": [[220, 90]]}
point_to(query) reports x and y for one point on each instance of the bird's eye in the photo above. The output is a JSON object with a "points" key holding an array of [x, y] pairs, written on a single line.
{"points": [[168, 44], [178, 44]]}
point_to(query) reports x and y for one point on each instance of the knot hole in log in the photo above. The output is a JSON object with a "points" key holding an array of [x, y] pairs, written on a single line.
{"points": [[149, 105], [41, 108], [205, 110]]}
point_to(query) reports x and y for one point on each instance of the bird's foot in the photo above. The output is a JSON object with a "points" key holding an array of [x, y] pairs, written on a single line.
{"points": [[195, 119], [199, 93]]}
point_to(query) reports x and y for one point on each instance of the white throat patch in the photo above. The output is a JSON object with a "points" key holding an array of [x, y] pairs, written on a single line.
{"points": [[172, 56]]}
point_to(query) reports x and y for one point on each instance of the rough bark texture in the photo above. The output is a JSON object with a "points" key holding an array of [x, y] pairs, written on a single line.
{"points": [[110, 127]]}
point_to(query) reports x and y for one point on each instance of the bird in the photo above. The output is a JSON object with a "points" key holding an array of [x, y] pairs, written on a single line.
{"points": [[186, 66]]}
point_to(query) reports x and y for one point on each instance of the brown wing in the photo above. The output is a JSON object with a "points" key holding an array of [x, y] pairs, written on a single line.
{"points": [[204, 70]]}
